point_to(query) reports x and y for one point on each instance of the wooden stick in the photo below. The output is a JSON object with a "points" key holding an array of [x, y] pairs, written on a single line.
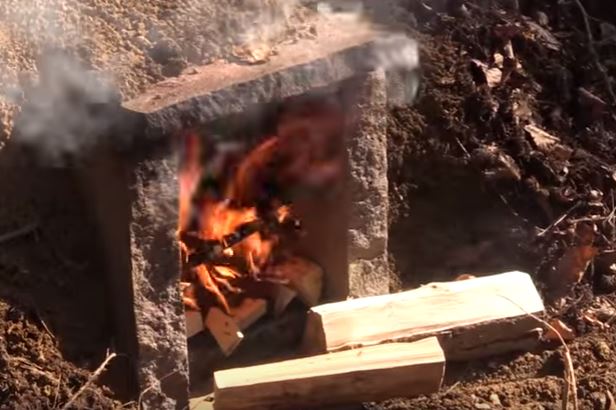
{"points": [[194, 323], [472, 318], [367, 374], [91, 380], [570, 379], [227, 333], [25, 230], [304, 277]]}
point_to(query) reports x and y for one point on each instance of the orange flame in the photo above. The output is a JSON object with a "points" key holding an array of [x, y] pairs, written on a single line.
{"points": [[308, 150], [218, 219], [189, 177]]}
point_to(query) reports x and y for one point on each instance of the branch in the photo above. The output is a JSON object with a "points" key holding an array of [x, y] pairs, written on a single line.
{"points": [[570, 383], [593, 51], [9, 236], [91, 380]]}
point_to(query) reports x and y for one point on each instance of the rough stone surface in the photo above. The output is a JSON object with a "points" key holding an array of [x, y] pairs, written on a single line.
{"points": [[367, 150], [159, 314], [337, 52]]}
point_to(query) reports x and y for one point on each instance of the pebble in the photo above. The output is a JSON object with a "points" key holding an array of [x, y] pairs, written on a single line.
{"points": [[482, 406], [602, 350], [495, 400]]}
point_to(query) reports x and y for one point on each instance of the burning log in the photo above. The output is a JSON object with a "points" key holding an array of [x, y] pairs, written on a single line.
{"points": [[227, 329], [366, 374], [472, 318], [213, 251]]}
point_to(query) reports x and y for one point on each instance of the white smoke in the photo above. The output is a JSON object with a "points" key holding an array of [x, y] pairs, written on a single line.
{"points": [[63, 114], [265, 21], [68, 111], [394, 51]]}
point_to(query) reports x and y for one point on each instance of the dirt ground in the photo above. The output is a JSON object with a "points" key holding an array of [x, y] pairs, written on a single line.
{"points": [[478, 187]]}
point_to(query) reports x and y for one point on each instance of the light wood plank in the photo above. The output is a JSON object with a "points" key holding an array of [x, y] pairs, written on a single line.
{"points": [[353, 376], [467, 315]]}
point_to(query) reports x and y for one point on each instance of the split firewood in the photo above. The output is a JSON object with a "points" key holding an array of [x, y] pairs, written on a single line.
{"points": [[473, 318], [227, 328], [248, 312], [367, 374], [194, 323], [281, 298], [303, 276]]}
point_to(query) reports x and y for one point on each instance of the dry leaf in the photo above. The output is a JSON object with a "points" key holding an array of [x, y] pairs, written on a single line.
{"points": [[594, 321], [572, 265], [565, 331], [499, 59], [494, 77], [482, 74], [542, 139], [521, 106], [561, 152]]}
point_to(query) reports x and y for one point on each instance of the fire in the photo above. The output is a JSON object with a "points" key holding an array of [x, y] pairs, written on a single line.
{"points": [[189, 176], [223, 220], [234, 233]]}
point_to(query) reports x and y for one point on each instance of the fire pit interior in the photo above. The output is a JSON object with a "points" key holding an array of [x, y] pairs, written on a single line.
{"points": [[264, 217]]}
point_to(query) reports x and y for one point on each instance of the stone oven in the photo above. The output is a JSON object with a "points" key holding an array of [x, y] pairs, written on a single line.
{"points": [[135, 194]]}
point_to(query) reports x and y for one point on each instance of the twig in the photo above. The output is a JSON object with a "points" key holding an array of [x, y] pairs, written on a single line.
{"points": [[593, 51], [570, 383], [55, 400], [9, 236], [151, 386], [452, 388], [91, 380], [463, 148], [558, 221]]}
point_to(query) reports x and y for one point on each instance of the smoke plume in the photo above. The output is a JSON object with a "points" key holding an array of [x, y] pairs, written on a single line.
{"points": [[68, 110]]}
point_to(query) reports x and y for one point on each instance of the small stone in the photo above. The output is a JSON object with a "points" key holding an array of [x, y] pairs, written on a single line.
{"points": [[482, 406], [602, 350], [495, 400]]}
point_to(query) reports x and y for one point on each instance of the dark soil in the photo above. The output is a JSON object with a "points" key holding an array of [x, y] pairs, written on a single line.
{"points": [[475, 191], [53, 320]]}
